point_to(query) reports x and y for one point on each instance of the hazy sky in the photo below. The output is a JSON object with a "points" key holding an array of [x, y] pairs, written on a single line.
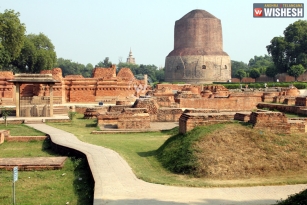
{"points": [[88, 31]]}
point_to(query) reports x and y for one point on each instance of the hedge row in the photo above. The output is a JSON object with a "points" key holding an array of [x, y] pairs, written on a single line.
{"points": [[298, 85]]}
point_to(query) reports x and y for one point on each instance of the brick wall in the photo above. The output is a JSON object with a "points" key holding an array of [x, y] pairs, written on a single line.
{"points": [[189, 121], [134, 121], [6, 88], [235, 102], [273, 121]]}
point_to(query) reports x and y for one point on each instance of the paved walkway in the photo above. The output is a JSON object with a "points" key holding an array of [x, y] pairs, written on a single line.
{"points": [[115, 182]]}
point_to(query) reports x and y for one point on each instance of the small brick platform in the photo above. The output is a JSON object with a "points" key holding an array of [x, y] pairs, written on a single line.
{"points": [[33, 163]]}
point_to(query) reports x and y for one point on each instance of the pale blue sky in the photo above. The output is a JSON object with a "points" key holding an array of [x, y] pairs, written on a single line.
{"points": [[88, 31]]}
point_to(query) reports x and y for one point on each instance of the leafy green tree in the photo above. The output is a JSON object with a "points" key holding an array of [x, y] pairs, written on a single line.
{"points": [[72, 68], [160, 74], [11, 37], [5, 113], [133, 67], [27, 57], [296, 70], [36, 54], [271, 71], [290, 49], [149, 70], [87, 71], [240, 74], [278, 51], [260, 62], [72, 116], [45, 53], [254, 73], [106, 63], [237, 65]]}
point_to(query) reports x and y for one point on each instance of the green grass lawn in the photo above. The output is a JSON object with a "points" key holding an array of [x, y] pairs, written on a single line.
{"points": [[140, 151], [71, 184], [21, 130]]}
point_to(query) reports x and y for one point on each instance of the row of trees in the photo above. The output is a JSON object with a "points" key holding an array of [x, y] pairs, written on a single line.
{"points": [[72, 68], [32, 53], [257, 66], [288, 55], [23, 53]]}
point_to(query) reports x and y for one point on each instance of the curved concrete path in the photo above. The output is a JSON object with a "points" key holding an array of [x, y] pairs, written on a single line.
{"points": [[115, 182]]}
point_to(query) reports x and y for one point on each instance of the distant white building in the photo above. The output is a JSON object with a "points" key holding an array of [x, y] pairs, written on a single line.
{"points": [[130, 58]]}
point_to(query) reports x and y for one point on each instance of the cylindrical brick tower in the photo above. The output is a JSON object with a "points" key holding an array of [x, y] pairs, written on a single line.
{"points": [[198, 55]]}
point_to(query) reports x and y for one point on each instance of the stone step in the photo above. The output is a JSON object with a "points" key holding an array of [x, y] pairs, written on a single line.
{"points": [[34, 121]]}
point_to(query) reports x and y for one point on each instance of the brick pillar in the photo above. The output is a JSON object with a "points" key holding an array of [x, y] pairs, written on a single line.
{"points": [[51, 99], [145, 80], [17, 100]]}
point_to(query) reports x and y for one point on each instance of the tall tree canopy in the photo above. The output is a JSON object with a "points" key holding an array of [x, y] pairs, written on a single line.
{"points": [[240, 74], [260, 61], [36, 54], [11, 37], [72, 68], [271, 71], [106, 63], [290, 49], [237, 65], [254, 73], [296, 70]]}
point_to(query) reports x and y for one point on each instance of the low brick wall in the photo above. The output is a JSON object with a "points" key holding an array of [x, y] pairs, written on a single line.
{"points": [[300, 110], [189, 121], [167, 115], [135, 121], [166, 101], [118, 108], [273, 121], [244, 117], [301, 101], [93, 112], [235, 102]]}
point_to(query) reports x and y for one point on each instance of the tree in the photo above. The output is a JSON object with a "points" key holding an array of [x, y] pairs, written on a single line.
{"points": [[27, 57], [271, 71], [290, 49], [160, 74], [72, 68], [260, 62], [5, 113], [133, 67], [254, 73], [240, 74], [105, 63], [36, 54], [296, 70], [236, 65], [11, 37], [87, 71]]}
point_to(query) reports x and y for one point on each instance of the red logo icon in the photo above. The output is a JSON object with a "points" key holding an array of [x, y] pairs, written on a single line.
{"points": [[257, 12]]}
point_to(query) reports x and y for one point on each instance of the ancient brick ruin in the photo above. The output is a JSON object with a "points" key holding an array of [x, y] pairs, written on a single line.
{"points": [[277, 122], [105, 86], [135, 105]]}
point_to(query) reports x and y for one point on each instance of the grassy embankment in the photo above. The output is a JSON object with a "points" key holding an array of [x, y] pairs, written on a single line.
{"points": [[219, 155]]}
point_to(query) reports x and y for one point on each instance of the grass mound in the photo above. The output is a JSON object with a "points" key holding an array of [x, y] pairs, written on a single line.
{"points": [[234, 151]]}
